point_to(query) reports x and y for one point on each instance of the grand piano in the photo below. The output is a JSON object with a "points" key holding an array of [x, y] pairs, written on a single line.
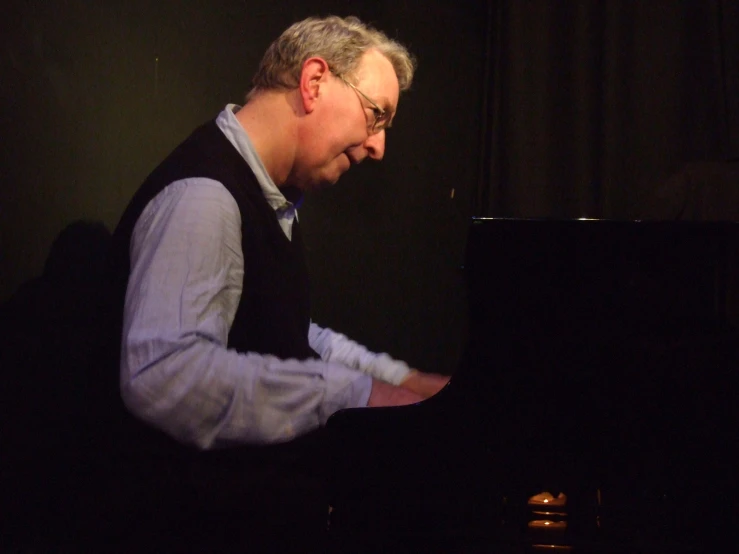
{"points": [[594, 409]]}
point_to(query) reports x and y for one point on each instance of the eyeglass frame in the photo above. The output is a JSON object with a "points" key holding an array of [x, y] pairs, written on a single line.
{"points": [[378, 112]]}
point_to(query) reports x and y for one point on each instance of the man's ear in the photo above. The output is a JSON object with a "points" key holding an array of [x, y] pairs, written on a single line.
{"points": [[314, 73]]}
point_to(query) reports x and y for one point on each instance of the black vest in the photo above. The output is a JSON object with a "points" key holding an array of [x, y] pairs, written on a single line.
{"points": [[273, 315]]}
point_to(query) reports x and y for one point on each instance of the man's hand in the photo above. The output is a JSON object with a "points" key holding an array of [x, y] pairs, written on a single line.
{"points": [[425, 385], [389, 395]]}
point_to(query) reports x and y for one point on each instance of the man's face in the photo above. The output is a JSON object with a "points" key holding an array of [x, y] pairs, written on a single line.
{"points": [[336, 134]]}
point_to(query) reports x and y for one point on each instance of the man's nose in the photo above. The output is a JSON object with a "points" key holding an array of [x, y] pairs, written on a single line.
{"points": [[375, 145]]}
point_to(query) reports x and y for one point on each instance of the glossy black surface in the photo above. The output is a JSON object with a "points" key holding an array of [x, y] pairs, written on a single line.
{"points": [[601, 362]]}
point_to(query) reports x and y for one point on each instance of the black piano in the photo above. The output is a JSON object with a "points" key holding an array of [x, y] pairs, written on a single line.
{"points": [[594, 409]]}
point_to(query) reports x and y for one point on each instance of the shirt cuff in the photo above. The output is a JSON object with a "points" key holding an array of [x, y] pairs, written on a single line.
{"points": [[389, 370], [345, 388]]}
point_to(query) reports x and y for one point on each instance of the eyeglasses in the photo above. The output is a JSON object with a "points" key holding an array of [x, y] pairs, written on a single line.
{"points": [[381, 119]]}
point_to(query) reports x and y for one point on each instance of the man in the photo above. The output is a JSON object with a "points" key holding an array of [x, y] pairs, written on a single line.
{"points": [[217, 344]]}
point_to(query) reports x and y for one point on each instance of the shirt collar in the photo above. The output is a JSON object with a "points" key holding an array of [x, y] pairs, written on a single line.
{"points": [[237, 136]]}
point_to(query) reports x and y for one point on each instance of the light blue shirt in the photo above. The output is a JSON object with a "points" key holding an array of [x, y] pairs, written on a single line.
{"points": [[177, 373]]}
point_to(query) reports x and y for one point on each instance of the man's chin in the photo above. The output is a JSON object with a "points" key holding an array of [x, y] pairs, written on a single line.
{"points": [[332, 178], [329, 177], [328, 183], [323, 182]]}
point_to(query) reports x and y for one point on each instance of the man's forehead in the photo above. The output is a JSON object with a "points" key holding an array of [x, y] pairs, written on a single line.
{"points": [[373, 61], [376, 74]]}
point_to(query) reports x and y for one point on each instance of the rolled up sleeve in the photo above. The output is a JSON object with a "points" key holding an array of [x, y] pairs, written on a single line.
{"points": [[335, 347]]}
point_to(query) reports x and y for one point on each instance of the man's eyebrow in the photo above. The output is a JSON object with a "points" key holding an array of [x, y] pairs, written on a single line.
{"points": [[384, 103], [390, 114]]}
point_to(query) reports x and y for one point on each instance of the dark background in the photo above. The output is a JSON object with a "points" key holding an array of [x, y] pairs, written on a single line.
{"points": [[519, 109]]}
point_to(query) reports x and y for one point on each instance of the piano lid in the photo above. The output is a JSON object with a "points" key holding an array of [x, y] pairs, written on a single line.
{"points": [[597, 277]]}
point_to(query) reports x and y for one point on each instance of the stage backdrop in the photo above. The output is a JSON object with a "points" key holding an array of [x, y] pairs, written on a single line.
{"points": [[94, 95], [537, 108]]}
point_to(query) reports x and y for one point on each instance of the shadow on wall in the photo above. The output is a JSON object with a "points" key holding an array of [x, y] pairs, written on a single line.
{"points": [[72, 274], [52, 395], [48, 337]]}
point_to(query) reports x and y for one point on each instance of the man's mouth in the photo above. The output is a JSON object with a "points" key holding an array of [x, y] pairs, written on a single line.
{"points": [[352, 159]]}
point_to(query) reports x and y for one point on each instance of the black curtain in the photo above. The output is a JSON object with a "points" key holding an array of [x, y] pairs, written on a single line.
{"points": [[590, 106]]}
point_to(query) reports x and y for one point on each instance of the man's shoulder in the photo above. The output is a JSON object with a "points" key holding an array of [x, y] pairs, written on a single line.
{"points": [[197, 194]]}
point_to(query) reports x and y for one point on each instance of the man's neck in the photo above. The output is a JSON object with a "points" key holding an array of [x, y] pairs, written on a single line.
{"points": [[269, 120]]}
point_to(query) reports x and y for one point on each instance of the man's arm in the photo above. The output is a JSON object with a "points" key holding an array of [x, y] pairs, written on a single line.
{"points": [[176, 371], [335, 347]]}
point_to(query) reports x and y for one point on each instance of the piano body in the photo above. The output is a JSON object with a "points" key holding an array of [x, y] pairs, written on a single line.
{"points": [[601, 364]]}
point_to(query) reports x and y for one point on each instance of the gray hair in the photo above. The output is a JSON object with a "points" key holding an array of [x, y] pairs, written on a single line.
{"points": [[339, 41]]}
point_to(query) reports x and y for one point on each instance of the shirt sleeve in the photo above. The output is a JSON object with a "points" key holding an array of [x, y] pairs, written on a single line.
{"points": [[177, 373], [335, 347]]}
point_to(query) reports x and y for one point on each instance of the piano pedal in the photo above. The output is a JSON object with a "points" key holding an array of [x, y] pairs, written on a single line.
{"points": [[547, 500], [547, 525]]}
